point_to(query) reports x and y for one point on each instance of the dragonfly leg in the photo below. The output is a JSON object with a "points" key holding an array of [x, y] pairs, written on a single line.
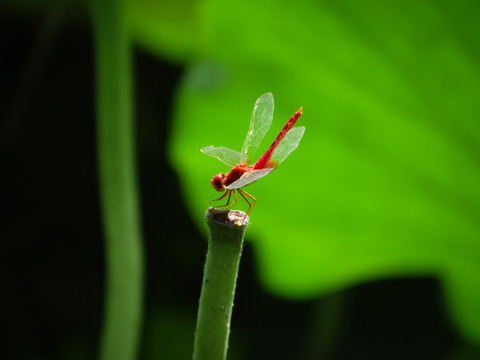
{"points": [[227, 205], [235, 196], [250, 205], [221, 197]]}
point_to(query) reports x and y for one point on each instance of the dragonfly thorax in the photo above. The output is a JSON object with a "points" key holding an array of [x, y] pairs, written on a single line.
{"points": [[218, 182]]}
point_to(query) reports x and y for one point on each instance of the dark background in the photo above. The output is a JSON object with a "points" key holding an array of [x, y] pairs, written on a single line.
{"points": [[52, 256]]}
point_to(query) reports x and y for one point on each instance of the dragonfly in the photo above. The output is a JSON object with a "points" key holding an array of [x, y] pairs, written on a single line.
{"points": [[243, 170]]}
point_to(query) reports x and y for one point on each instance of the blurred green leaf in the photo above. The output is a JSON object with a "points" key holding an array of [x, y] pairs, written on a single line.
{"points": [[385, 181], [168, 28]]}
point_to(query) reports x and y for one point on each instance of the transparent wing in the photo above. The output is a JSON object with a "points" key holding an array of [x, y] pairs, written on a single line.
{"points": [[260, 122], [288, 144], [249, 177], [225, 155]]}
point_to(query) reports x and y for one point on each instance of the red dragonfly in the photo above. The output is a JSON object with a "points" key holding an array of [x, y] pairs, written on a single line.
{"points": [[243, 174]]}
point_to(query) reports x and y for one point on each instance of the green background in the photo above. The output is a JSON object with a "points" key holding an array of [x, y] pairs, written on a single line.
{"points": [[385, 182], [366, 239]]}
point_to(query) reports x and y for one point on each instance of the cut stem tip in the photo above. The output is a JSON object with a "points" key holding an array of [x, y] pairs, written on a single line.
{"points": [[234, 218]]}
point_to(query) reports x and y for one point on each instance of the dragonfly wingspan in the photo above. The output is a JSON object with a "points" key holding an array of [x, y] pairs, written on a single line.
{"points": [[260, 122], [225, 155], [288, 144], [249, 177]]}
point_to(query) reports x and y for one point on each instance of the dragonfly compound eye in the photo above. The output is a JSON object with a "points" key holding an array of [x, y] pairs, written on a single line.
{"points": [[217, 182]]}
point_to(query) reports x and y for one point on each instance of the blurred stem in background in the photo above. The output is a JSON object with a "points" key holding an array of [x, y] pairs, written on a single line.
{"points": [[118, 189], [324, 327]]}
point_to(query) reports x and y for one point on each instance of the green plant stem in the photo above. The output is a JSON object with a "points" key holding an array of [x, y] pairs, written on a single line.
{"points": [[220, 275], [118, 189]]}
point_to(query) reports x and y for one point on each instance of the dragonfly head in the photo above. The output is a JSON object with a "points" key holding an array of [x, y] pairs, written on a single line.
{"points": [[218, 182]]}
